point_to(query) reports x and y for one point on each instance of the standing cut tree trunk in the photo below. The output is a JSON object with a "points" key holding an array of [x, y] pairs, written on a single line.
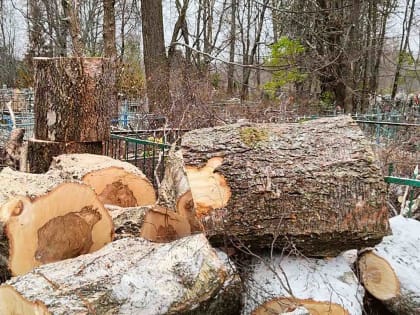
{"points": [[73, 97], [315, 185], [155, 60]]}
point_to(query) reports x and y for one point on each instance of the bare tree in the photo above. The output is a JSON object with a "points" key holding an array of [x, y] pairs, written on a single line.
{"points": [[110, 48], [155, 59], [405, 39]]}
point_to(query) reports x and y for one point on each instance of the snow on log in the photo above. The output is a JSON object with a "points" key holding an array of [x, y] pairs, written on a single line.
{"points": [[298, 285], [43, 220], [314, 184], [41, 152], [115, 182], [391, 271], [128, 276], [73, 99]]}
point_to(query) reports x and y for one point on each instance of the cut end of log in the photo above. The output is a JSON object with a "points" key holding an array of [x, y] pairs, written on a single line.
{"points": [[378, 277], [17, 304], [210, 189], [119, 187], [288, 305], [64, 223], [185, 207], [162, 225]]}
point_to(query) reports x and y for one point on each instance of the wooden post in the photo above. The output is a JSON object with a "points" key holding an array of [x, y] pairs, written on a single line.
{"points": [[73, 101]]}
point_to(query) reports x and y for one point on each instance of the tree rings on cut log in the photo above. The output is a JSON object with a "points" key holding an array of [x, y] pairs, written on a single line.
{"points": [[128, 276], [315, 185], [378, 277], [289, 306], [17, 304], [209, 188], [391, 271], [115, 182], [63, 223], [285, 283], [163, 225]]}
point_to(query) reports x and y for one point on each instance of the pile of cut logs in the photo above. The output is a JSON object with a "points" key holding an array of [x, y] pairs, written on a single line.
{"points": [[249, 219]]}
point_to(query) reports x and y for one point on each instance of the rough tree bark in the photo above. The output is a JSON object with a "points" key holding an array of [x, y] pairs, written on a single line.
{"points": [[315, 184], [128, 276], [391, 271], [43, 220], [72, 99], [41, 152], [155, 60], [282, 284], [115, 182], [14, 147], [110, 49]]}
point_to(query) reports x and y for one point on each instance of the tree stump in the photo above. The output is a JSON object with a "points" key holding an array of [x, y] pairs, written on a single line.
{"points": [[128, 276], [315, 185], [73, 99], [311, 286], [41, 152], [43, 220], [391, 271]]}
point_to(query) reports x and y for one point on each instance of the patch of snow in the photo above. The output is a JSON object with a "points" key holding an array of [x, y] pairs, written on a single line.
{"points": [[304, 278]]}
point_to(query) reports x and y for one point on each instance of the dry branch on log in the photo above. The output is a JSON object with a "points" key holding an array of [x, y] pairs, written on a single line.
{"points": [[321, 286], [391, 271], [315, 184], [128, 276], [43, 220], [115, 182]]}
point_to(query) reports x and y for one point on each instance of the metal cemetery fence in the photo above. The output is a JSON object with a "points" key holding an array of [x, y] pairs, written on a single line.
{"points": [[147, 155]]}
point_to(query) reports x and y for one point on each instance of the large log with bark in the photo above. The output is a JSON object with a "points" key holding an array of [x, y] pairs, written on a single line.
{"points": [[42, 152], [43, 220], [314, 185], [73, 99], [283, 284], [128, 276], [391, 271], [115, 182]]}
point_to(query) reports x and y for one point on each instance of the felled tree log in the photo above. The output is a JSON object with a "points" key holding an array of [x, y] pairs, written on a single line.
{"points": [[127, 221], [315, 286], [115, 182], [41, 152], [43, 220], [314, 184], [173, 216], [391, 271], [73, 99], [128, 276]]}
